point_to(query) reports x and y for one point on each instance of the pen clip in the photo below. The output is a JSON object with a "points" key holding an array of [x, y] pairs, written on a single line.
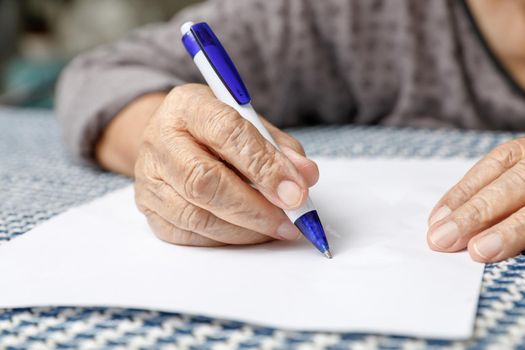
{"points": [[220, 61]]}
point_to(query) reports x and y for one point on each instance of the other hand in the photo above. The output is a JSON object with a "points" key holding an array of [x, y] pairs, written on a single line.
{"points": [[485, 211]]}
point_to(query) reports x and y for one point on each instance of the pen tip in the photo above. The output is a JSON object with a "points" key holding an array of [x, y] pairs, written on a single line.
{"points": [[328, 254]]}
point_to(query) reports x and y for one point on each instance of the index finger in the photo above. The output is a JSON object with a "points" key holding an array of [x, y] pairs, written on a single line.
{"points": [[237, 141], [484, 172]]}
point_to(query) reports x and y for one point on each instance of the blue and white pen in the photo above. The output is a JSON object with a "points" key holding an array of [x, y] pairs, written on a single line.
{"points": [[224, 80]]}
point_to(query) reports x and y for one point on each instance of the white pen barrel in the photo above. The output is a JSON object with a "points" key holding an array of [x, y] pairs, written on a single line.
{"points": [[247, 112], [222, 93]]}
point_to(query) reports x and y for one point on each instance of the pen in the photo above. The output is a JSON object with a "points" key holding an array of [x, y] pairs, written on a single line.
{"points": [[224, 80]]}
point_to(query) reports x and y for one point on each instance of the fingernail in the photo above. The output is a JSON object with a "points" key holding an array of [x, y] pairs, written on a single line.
{"points": [[445, 235], [440, 214], [489, 246], [288, 231], [289, 193]]}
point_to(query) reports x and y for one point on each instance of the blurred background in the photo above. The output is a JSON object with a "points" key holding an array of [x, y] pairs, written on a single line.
{"points": [[38, 37]]}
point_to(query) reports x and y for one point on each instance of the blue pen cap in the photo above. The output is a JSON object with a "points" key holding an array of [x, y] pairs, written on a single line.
{"points": [[191, 45], [202, 37]]}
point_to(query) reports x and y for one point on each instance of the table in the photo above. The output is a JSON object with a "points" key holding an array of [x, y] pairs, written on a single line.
{"points": [[39, 180]]}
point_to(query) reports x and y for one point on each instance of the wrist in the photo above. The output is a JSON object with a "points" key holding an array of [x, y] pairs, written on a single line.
{"points": [[118, 145]]}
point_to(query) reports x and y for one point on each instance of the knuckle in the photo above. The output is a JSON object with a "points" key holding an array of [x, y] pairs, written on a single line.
{"points": [[178, 236], [187, 238], [187, 90], [147, 166], [184, 98], [225, 127], [518, 221], [153, 188], [143, 164], [178, 91], [263, 164], [165, 231], [157, 225], [477, 211], [518, 173], [145, 210], [239, 137], [194, 218], [203, 181], [229, 133], [463, 190], [507, 154]]}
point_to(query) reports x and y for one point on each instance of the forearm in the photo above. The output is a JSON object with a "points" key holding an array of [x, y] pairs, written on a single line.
{"points": [[118, 145]]}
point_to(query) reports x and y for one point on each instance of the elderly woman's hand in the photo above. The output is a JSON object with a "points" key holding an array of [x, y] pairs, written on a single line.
{"points": [[485, 211], [193, 168]]}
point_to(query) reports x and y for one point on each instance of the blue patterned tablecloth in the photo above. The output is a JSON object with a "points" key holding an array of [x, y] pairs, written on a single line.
{"points": [[38, 181]]}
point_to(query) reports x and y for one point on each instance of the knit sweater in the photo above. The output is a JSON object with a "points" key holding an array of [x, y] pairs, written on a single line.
{"points": [[392, 62]]}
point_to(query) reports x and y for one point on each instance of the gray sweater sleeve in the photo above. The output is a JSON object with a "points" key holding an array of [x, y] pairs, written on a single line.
{"points": [[98, 84], [400, 63]]}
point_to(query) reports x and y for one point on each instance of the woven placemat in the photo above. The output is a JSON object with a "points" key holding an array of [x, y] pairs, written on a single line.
{"points": [[38, 181]]}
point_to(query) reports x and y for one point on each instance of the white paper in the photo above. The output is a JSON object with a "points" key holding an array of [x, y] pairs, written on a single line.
{"points": [[383, 277]]}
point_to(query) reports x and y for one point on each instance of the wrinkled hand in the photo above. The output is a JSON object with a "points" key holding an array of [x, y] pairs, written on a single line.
{"points": [[485, 211], [192, 171]]}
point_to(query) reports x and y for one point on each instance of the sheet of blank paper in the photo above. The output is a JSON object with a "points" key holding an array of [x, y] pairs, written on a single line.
{"points": [[383, 277]]}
